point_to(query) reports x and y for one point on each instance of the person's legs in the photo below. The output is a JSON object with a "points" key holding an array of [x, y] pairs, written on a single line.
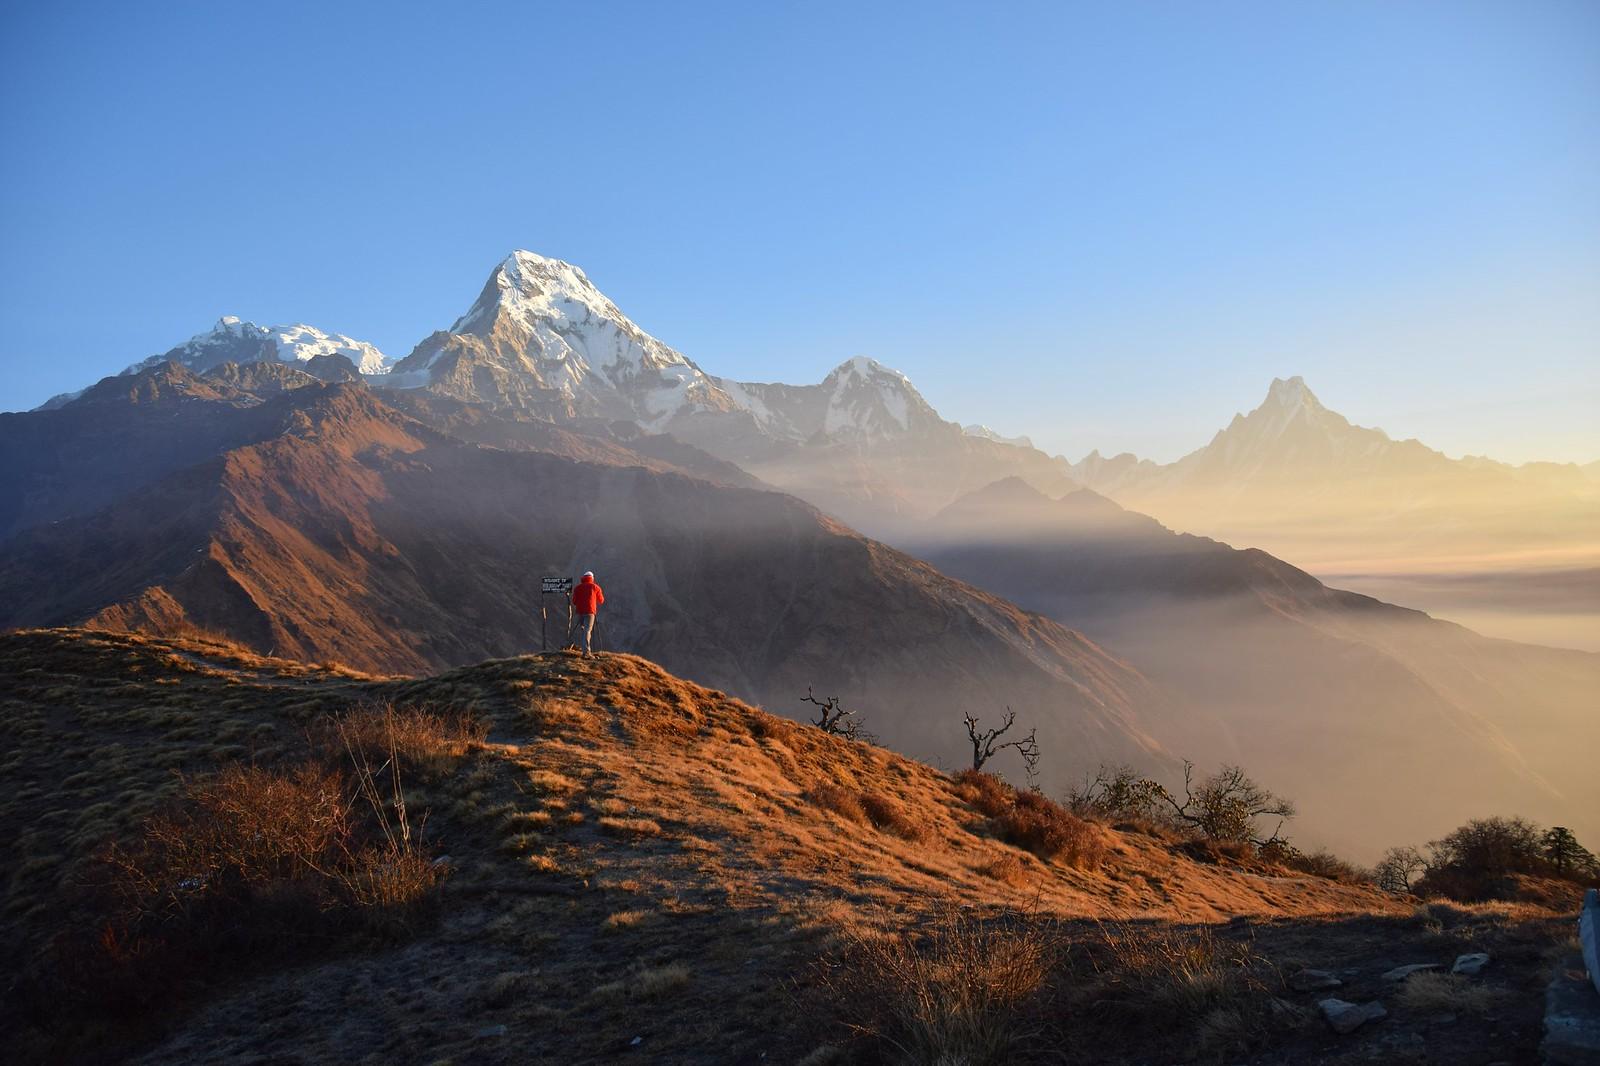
{"points": [[586, 629]]}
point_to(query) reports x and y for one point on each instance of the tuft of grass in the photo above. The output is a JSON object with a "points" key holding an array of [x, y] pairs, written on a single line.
{"points": [[889, 816], [1184, 987], [424, 741], [1005, 868], [1436, 993], [635, 827], [646, 982], [552, 782], [625, 920], [962, 990], [840, 800]]}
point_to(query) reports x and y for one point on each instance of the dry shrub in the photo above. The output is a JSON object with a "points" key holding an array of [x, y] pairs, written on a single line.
{"points": [[1050, 831], [1218, 852], [986, 792], [840, 800], [1005, 868], [887, 815], [1033, 821], [1324, 863], [424, 741], [961, 990], [770, 727], [1181, 988], [244, 865]]}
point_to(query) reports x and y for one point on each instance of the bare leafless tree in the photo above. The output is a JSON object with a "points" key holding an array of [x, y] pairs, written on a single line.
{"points": [[1398, 869], [833, 717], [986, 743], [1225, 806]]}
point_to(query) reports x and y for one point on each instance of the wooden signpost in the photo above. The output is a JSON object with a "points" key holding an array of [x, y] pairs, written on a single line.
{"points": [[553, 586]]}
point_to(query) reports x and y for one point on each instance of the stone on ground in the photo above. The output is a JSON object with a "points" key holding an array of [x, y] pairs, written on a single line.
{"points": [[1345, 1017], [1470, 965], [1400, 973], [1313, 981]]}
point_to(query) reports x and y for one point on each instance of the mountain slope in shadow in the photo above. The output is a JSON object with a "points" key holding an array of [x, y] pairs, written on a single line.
{"points": [[1376, 712]]}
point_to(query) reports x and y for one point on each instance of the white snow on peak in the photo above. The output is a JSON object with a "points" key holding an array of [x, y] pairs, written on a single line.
{"points": [[528, 289], [976, 430], [548, 311], [301, 343], [233, 339], [869, 400], [861, 366]]}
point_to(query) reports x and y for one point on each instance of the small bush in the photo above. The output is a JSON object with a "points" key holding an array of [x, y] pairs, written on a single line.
{"points": [[986, 792], [889, 816], [1324, 863], [1005, 868], [1050, 831], [246, 863], [1185, 991], [962, 991], [1033, 821], [840, 800], [426, 742]]}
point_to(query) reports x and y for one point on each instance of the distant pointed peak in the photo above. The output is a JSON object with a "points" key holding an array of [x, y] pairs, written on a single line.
{"points": [[528, 286], [523, 262], [1291, 392], [864, 367]]}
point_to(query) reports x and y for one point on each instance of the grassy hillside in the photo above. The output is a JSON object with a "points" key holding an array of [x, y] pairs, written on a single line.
{"points": [[635, 863]]}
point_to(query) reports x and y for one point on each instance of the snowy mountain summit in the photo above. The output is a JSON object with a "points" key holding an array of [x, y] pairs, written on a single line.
{"points": [[542, 338], [233, 340]]}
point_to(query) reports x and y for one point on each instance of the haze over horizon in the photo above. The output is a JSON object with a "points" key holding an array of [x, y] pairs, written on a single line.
{"points": [[1397, 202]]}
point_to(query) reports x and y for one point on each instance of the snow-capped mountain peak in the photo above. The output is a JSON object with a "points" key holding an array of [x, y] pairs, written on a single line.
{"points": [[976, 430], [528, 289], [233, 340], [541, 336], [869, 401]]}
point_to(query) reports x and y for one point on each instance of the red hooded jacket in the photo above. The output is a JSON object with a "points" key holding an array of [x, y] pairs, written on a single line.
{"points": [[587, 597]]}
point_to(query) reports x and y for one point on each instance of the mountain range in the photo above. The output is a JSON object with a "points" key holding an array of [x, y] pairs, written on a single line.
{"points": [[298, 492], [321, 522]]}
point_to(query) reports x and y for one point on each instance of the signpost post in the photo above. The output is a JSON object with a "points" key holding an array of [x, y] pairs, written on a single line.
{"points": [[553, 586]]}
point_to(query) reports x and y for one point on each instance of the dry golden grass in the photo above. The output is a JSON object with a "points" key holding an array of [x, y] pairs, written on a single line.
{"points": [[646, 982], [552, 835], [425, 741], [1005, 868], [960, 990], [630, 827], [1446, 993], [625, 920]]}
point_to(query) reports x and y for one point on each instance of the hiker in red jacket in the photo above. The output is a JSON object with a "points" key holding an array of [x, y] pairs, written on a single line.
{"points": [[586, 601]]}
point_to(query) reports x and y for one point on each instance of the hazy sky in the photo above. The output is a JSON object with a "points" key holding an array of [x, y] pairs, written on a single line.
{"points": [[1103, 225]]}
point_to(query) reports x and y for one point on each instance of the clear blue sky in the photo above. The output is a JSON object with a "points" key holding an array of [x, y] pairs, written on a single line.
{"points": [[1104, 225]]}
